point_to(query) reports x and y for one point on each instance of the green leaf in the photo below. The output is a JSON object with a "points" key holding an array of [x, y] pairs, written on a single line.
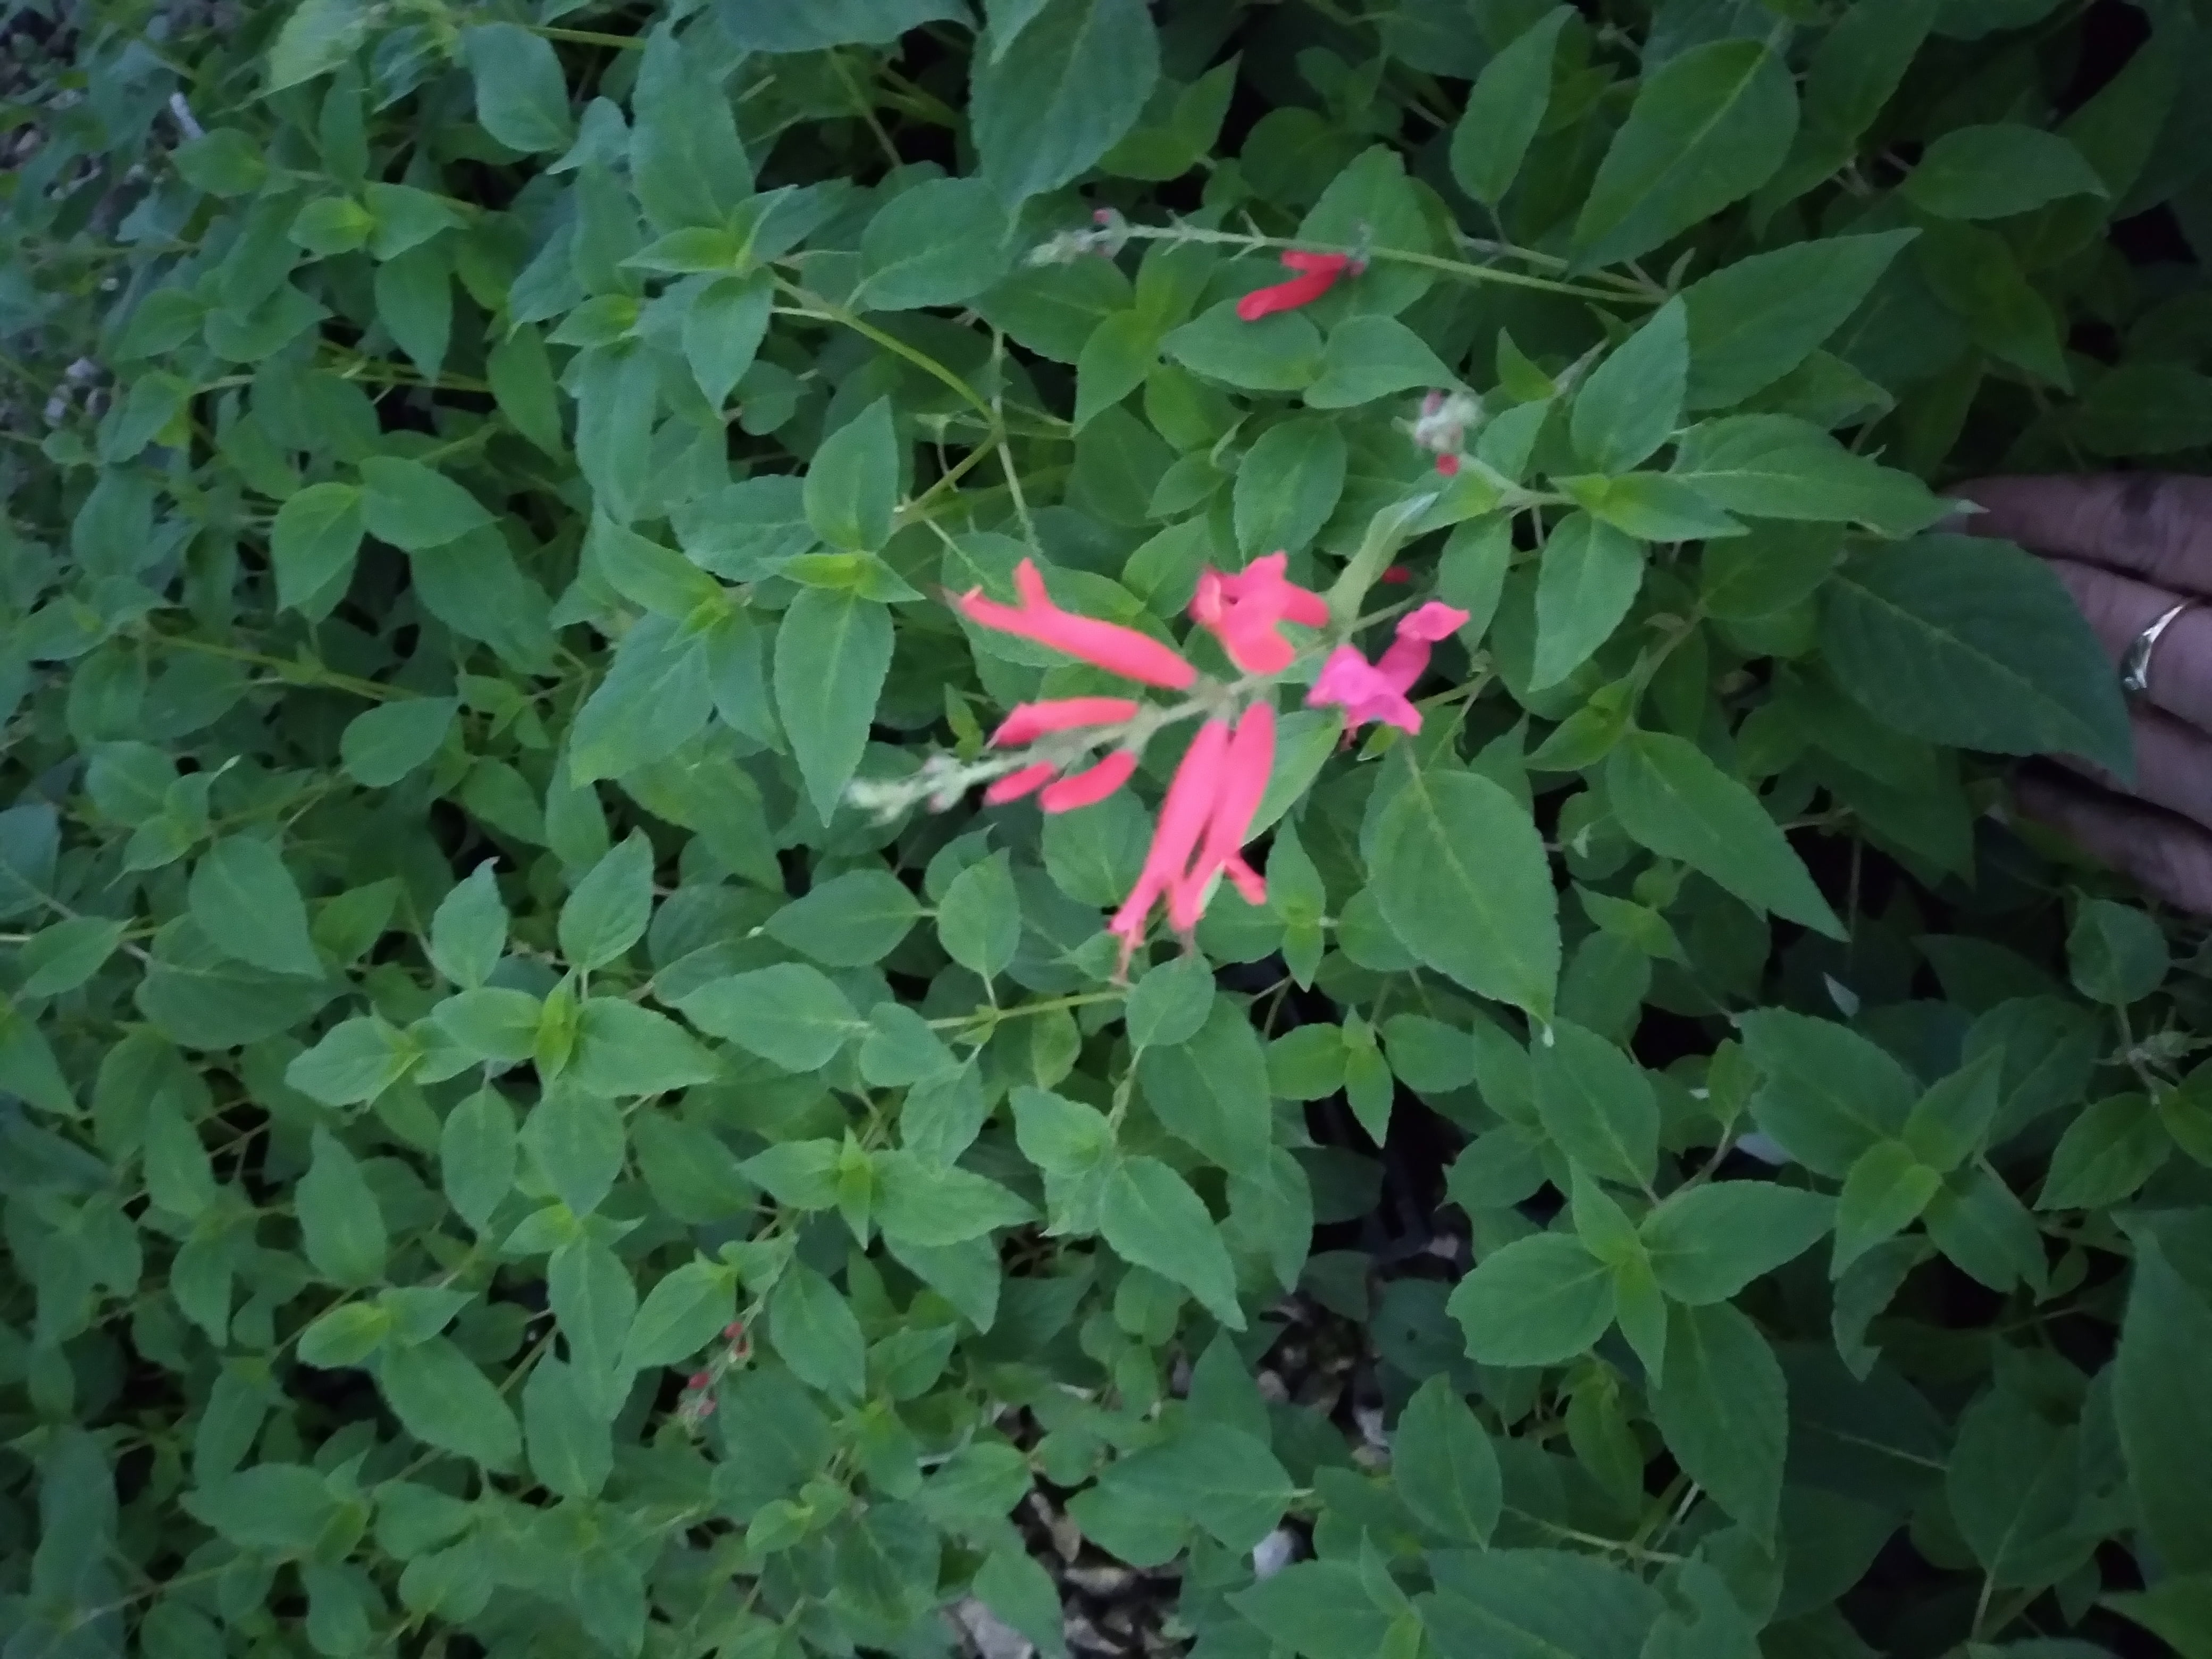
{"points": [[340, 1227], [1596, 1103], [1632, 401], [687, 1309], [930, 1205], [1537, 1301], [383, 745], [852, 483], [1443, 1466], [2105, 1154], [1828, 1094], [1171, 1002], [1707, 1243], [1671, 798], [2162, 1409], [493, 1023], [833, 650], [346, 1335], [939, 243], [623, 1050], [414, 507], [723, 328], [63, 956], [1723, 1412], [356, 1060], [1225, 1480], [1707, 128], [522, 99], [607, 912], [1752, 322], [318, 37], [1317, 1610], [2015, 1487], [1535, 1604], [468, 930], [312, 545], [812, 1330], [1462, 876], [1120, 351], [979, 919], [576, 1144], [179, 1174], [415, 303], [850, 920], [2115, 953], [1062, 94], [790, 1014], [571, 1446], [477, 1155], [1590, 576], [280, 1509], [1993, 171], [1150, 1215], [1504, 110], [247, 904], [442, 1399], [1369, 356], [1884, 1190], [1966, 641], [1211, 1090], [1776, 466], [1281, 352], [1288, 483], [656, 696], [1652, 506]]}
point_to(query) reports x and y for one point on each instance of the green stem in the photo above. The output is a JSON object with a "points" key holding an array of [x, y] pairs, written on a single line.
{"points": [[1459, 268], [590, 38], [299, 673], [813, 305]]}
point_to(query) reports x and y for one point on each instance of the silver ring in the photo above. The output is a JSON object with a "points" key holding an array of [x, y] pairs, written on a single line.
{"points": [[2135, 667]]}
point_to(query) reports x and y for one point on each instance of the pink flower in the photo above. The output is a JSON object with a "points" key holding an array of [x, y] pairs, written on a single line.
{"points": [[1015, 784], [1184, 815], [1395, 575], [1245, 769], [1091, 785], [1348, 681], [1376, 691], [1243, 612], [1121, 650], [1448, 464], [1032, 720], [1318, 274]]}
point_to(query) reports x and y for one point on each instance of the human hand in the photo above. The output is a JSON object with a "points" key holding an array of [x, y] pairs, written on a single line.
{"points": [[2129, 547]]}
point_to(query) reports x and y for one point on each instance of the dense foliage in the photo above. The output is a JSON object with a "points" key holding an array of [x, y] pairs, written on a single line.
{"points": [[540, 1114]]}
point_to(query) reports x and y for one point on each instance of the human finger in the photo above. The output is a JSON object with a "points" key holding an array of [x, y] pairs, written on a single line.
{"points": [[2168, 855], [2157, 527], [2119, 608], [2173, 766]]}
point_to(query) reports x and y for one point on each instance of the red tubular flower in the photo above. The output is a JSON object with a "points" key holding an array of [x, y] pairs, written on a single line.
{"points": [[1015, 784], [1119, 650], [1318, 274], [1448, 464], [1184, 814], [1243, 611], [1246, 767], [1376, 691], [1032, 720], [1091, 785]]}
